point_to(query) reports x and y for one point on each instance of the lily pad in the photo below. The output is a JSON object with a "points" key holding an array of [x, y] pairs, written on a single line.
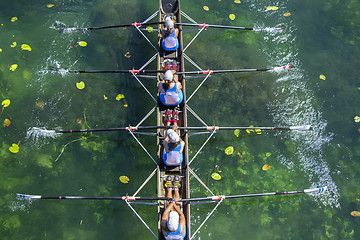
{"points": [[14, 148], [5, 103], [287, 14], [232, 16], [127, 55], [266, 167], [357, 119], [13, 67], [229, 150], [120, 96], [237, 132], [82, 44], [206, 8], [268, 154], [80, 85], [25, 47], [6, 122], [124, 179], [272, 8], [237, 1], [355, 213], [322, 77], [150, 29], [13, 19], [105, 97], [216, 176], [13, 44], [50, 5]]}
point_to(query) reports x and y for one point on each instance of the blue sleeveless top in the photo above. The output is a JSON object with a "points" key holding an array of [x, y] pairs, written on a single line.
{"points": [[171, 97], [173, 157], [175, 235], [170, 43]]}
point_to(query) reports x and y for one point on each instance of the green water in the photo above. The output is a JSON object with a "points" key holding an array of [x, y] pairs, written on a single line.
{"points": [[320, 38]]}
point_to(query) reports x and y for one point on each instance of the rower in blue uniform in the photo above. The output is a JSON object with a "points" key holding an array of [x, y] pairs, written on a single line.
{"points": [[170, 40], [173, 148], [170, 90], [173, 219]]}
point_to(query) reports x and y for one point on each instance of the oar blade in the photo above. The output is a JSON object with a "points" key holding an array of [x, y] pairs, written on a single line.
{"points": [[301, 128], [36, 133], [316, 190], [28, 197]]}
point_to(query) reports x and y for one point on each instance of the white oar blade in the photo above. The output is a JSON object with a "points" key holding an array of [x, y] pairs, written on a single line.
{"points": [[36, 133], [316, 190], [27, 197], [301, 128]]}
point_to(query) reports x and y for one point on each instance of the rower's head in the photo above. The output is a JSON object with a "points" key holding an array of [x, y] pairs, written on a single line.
{"points": [[173, 221], [173, 136], [168, 76], [169, 23]]}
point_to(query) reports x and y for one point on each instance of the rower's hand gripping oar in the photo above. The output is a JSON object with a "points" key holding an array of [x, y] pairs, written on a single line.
{"points": [[70, 29]]}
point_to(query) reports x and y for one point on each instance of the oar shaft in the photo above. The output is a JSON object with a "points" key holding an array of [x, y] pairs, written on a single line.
{"points": [[111, 129], [115, 71], [214, 26], [125, 25]]}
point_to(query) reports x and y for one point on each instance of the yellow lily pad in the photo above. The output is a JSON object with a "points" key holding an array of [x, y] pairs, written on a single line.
{"points": [[272, 8], [355, 213], [125, 105], [237, 132], [216, 176], [14, 148], [25, 47], [206, 8], [237, 1], [267, 154], [266, 167], [13, 44], [127, 55], [82, 44], [0, 49], [232, 16], [119, 97], [150, 29], [5, 103], [287, 14], [50, 5], [229, 150], [322, 77], [80, 85], [258, 131], [124, 179], [6, 122], [13, 19], [105, 97], [13, 67], [357, 119]]}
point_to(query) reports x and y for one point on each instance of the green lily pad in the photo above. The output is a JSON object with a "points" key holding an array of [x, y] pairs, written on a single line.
{"points": [[229, 150], [216, 176]]}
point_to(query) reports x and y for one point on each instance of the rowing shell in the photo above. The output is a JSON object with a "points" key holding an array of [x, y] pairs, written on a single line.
{"points": [[172, 8]]}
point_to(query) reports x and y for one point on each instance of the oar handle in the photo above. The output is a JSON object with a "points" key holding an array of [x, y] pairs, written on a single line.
{"points": [[110, 129], [201, 25]]}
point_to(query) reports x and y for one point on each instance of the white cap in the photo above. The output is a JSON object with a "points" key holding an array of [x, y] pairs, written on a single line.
{"points": [[168, 76], [169, 23], [173, 221], [173, 136]]}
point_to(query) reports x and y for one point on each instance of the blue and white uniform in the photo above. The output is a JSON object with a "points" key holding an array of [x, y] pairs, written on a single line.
{"points": [[171, 97], [173, 157], [175, 235], [170, 43]]}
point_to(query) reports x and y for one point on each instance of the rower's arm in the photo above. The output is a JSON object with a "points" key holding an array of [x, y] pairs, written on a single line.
{"points": [[182, 146], [165, 145], [181, 218]]}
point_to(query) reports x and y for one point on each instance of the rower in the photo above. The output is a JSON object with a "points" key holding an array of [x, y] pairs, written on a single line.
{"points": [[173, 148], [170, 89], [170, 40], [173, 219]]}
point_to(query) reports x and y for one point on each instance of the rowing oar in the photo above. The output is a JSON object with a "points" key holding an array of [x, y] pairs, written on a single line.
{"points": [[201, 25], [218, 198], [128, 198], [276, 69], [106, 27], [105, 71], [212, 128]]}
